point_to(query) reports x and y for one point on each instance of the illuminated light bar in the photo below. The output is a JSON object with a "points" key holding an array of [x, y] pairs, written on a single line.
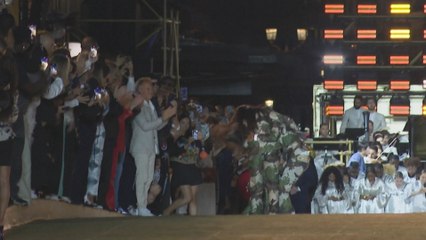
{"points": [[333, 59], [366, 34], [424, 84], [424, 59], [399, 60], [334, 84], [424, 34], [424, 8], [424, 110], [365, 60], [367, 85], [367, 8], [334, 110], [399, 110], [334, 8], [400, 33], [333, 34], [400, 85], [400, 8]]}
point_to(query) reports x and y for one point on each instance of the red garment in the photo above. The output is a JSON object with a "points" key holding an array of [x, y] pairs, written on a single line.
{"points": [[120, 146], [243, 182]]}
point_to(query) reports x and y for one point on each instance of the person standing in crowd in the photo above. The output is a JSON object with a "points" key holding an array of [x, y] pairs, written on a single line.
{"points": [[371, 192], [184, 150], [378, 119], [397, 192], [353, 117], [330, 194], [275, 154], [8, 115], [144, 143], [417, 196], [412, 165]]}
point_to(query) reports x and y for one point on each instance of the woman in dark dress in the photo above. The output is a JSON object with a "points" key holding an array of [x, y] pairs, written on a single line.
{"points": [[185, 147]]}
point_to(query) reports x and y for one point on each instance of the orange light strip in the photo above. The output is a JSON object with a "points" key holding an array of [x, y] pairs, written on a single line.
{"points": [[424, 8], [367, 8], [367, 85], [333, 59], [334, 84], [366, 34], [333, 34], [365, 60], [399, 60], [334, 8], [399, 110], [334, 110], [424, 110], [400, 85], [424, 59], [424, 34]]}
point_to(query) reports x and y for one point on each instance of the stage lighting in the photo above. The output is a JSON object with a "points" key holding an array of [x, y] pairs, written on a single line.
{"points": [[399, 106], [366, 60], [333, 59], [399, 60], [333, 84], [366, 34], [367, 85], [333, 34], [400, 85], [367, 8], [302, 34], [334, 8], [400, 34], [271, 34], [269, 103], [400, 8], [424, 59], [335, 107]]}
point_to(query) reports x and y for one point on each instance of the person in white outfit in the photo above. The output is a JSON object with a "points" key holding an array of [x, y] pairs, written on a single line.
{"points": [[417, 197], [353, 117], [144, 143], [378, 119]]}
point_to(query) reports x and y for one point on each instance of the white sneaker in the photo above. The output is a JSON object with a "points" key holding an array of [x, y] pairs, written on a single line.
{"points": [[132, 211], [144, 212], [33, 195]]}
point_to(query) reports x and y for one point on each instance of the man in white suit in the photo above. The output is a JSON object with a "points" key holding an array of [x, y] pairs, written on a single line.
{"points": [[144, 143]]}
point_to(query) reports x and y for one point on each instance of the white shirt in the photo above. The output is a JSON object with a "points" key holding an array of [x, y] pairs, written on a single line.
{"points": [[378, 120], [353, 118]]}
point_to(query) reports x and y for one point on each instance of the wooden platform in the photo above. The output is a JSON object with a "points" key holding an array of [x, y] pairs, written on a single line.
{"points": [[279, 227]]}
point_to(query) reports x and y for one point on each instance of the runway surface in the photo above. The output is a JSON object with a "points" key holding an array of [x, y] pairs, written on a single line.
{"points": [[280, 227]]}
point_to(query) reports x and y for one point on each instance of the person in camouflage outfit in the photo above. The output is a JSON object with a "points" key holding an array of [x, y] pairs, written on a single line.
{"points": [[276, 159]]}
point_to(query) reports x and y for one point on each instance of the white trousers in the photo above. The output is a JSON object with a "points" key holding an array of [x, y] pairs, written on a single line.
{"points": [[24, 183], [144, 175]]}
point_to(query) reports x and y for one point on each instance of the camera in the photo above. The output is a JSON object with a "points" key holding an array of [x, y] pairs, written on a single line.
{"points": [[44, 63], [53, 70], [33, 29], [195, 134]]}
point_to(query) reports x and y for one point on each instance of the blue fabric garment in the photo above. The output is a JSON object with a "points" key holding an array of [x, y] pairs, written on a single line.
{"points": [[357, 157]]}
